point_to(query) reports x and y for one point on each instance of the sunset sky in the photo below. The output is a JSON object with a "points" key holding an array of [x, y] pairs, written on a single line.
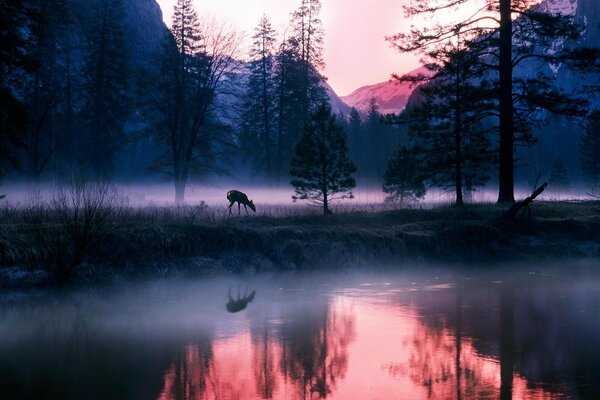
{"points": [[355, 51]]}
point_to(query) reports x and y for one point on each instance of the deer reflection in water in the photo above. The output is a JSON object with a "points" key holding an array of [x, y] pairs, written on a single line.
{"points": [[239, 303]]}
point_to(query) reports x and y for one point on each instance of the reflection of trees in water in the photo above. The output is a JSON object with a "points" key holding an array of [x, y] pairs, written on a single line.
{"points": [[265, 372], [189, 376], [445, 362], [309, 349], [315, 349]]}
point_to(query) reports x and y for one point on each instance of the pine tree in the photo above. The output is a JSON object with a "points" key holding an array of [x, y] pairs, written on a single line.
{"points": [[308, 38], [559, 175], [320, 165], [258, 116], [46, 91], [289, 94], [106, 90], [446, 123], [18, 19], [506, 34], [356, 142], [403, 178], [589, 148]]}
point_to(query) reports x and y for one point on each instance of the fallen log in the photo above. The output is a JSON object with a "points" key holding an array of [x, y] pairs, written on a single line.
{"points": [[519, 205]]}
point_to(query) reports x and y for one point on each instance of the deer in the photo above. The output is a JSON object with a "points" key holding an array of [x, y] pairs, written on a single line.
{"points": [[235, 196], [235, 305]]}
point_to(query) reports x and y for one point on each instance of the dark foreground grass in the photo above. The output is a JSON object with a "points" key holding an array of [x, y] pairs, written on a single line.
{"points": [[43, 243]]}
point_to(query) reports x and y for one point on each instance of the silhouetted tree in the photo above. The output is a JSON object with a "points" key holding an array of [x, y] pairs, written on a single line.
{"points": [[258, 116], [403, 178], [559, 175], [18, 19], [589, 148], [320, 163], [446, 122], [47, 89], [299, 84], [505, 34], [106, 90], [194, 61], [308, 37]]}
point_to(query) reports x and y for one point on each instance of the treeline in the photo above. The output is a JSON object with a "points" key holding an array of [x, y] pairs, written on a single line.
{"points": [[491, 83], [67, 88], [76, 101]]}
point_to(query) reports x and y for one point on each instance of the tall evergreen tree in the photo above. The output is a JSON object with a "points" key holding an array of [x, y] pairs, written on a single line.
{"points": [[308, 37], [559, 175], [589, 148], [403, 178], [106, 89], [289, 97], [447, 121], [258, 117], [47, 89], [506, 34], [321, 168], [18, 19]]}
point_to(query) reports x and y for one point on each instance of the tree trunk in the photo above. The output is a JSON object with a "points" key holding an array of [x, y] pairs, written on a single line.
{"points": [[506, 170], [507, 305], [518, 206], [179, 191], [458, 145]]}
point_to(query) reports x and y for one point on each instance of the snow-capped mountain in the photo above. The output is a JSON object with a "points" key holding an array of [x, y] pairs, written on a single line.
{"points": [[390, 97]]}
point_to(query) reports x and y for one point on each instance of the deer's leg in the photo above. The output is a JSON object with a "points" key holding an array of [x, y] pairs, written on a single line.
{"points": [[246, 208], [230, 205], [239, 207]]}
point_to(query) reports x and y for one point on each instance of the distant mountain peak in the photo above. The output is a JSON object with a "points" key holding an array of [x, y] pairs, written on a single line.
{"points": [[390, 97]]}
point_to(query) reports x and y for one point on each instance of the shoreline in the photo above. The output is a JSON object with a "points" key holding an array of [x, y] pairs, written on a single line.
{"points": [[144, 242]]}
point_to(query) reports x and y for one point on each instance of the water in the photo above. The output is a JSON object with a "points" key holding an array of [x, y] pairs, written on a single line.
{"points": [[420, 334]]}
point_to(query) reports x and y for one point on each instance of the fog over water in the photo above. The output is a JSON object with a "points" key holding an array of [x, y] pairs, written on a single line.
{"points": [[417, 333]]}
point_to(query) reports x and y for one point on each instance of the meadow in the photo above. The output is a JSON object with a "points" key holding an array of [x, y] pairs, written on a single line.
{"points": [[93, 233]]}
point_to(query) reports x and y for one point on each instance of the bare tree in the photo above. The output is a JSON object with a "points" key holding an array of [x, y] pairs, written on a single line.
{"points": [[197, 58]]}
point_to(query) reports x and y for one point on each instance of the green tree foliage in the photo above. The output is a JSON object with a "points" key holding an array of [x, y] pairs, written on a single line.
{"points": [[505, 35], [589, 148], [321, 168], [559, 175], [258, 116], [107, 102], [18, 19], [194, 61], [403, 178]]}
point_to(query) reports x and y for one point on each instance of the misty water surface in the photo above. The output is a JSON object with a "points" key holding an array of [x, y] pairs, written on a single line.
{"points": [[421, 334]]}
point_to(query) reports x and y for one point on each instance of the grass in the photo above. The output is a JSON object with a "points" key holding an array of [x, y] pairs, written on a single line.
{"points": [[94, 238]]}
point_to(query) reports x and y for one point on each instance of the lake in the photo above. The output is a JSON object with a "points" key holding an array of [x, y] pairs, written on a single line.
{"points": [[416, 333]]}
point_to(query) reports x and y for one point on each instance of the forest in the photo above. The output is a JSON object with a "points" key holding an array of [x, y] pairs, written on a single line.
{"points": [[87, 105]]}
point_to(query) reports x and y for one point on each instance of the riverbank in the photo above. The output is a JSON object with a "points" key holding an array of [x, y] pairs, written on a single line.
{"points": [[41, 246]]}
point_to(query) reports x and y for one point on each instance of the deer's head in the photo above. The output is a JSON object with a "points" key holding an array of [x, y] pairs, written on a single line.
{"points": [[251, 205]]}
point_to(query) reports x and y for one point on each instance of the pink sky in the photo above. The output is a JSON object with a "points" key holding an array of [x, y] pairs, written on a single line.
{"points": [[355, 51]]}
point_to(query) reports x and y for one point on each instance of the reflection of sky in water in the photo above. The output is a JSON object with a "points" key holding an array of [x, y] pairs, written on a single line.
{"points": [[335, 336]]}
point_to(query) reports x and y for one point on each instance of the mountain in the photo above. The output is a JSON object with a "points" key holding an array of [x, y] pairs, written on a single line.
{"points": [[390, 97], [143, 26], [338, 105]]}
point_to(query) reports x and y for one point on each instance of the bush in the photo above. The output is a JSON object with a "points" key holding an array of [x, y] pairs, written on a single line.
{"points": [[64, 227]]}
